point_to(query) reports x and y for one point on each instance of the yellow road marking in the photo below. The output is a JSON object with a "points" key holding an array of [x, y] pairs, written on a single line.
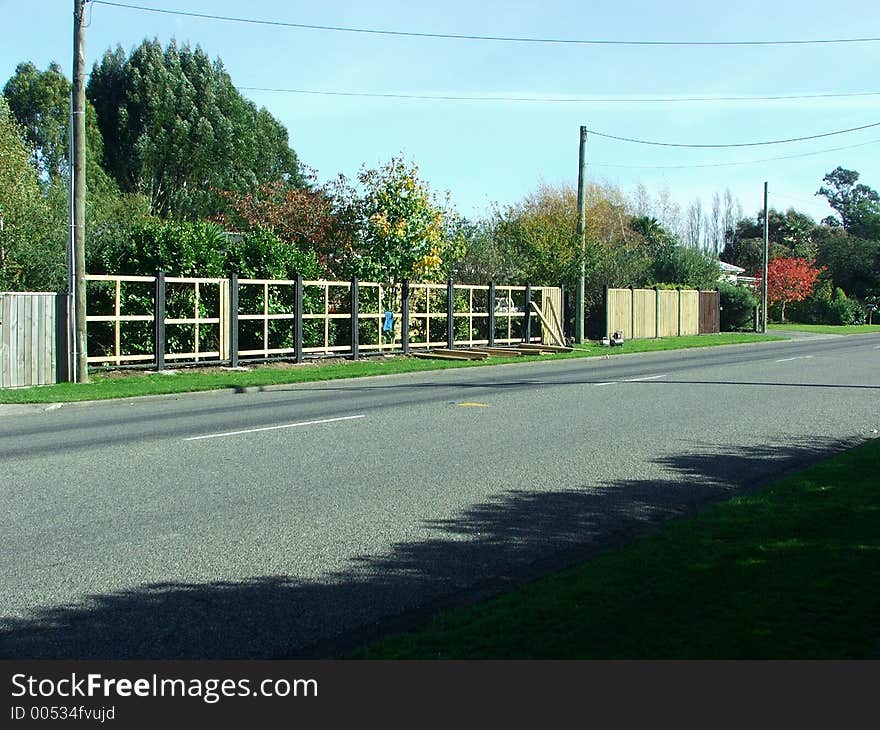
{"points": [[468, 404]]}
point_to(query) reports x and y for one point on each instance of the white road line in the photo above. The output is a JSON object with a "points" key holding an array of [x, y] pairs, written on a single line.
{"points": [[274, 428], [632, 380], [799, 357]]}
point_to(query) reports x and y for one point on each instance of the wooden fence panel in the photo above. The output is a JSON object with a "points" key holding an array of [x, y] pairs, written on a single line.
{"points": [[644, 314], [27, 339], [690, 312], [668, 313], [619, 312], [710, 312]]}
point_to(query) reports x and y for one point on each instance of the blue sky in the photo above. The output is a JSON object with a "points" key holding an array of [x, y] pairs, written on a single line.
{"points": [[495, 152]]}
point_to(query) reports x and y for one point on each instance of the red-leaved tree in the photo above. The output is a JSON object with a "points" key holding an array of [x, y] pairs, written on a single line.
{"points": [[790, 280], [305, 218]]}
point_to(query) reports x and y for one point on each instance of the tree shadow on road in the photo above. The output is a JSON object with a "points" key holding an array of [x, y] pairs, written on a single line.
{"points": [[514, 536]]}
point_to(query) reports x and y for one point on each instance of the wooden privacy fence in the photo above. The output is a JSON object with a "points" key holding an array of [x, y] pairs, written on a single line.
{"points": [[135, 320], [649, 313], [33, 338]]}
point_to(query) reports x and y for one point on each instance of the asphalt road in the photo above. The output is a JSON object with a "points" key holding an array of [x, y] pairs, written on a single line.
{"points": [[298, 520]]}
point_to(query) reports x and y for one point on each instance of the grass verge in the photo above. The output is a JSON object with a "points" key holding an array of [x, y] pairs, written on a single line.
{"points": [[790, 571], [128, 384], [828, 329]]}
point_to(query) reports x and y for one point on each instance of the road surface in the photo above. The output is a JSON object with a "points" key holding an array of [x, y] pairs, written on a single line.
{"points": [[299, 520]]}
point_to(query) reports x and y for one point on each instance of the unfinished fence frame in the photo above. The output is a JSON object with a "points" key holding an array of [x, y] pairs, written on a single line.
{"points": [[655, 313], [341, 318]]}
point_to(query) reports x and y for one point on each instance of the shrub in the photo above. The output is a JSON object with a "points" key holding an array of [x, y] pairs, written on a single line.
{"points": [[737, 307]]}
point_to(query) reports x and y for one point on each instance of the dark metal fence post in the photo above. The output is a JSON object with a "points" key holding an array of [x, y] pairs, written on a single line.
{"points": [[298, 320], [355, 328], [491, 306], [233, 320], [607, 312], [62, 338], [159, 321], [527, 320], [404, 316], [450, 314]]}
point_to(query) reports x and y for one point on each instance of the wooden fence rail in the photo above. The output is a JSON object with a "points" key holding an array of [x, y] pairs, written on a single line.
{"points": [[147, 320]]}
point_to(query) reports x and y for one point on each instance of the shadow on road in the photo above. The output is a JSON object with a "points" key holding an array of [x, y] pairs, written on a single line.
{"points": [[514, 536]]}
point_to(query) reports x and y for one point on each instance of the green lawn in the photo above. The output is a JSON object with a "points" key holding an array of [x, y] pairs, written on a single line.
{"points": [[138, 383], [789, 571], [828, 329]]}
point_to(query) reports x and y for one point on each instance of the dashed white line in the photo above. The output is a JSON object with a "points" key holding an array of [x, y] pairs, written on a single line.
{"points": [[632, 380], [799, 357], [274, 428]]}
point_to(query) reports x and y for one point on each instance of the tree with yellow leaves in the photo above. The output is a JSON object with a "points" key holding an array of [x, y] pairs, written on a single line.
{"points": [[402, 226]]}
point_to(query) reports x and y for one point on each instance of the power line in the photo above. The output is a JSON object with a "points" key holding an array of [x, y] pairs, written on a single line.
{"points": [[471, 37], [557, 99], [737, 144], [740, 162]]}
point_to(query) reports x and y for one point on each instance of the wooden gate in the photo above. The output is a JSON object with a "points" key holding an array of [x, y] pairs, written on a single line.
{"points": [[710, 312]]}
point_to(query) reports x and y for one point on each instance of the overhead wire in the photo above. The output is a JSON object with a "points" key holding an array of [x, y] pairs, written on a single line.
{"points": [[559, 99], [738, 162], [731, 144], [494, 38], [451, 97]]}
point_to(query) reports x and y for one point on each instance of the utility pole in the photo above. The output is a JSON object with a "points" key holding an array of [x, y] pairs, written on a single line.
{"points": [[582, 236], [81, 369], [766, 248]]}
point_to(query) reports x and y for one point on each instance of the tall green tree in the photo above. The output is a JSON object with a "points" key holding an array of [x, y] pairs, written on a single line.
{"points": [[852, 263], [178, 131], [857, 205], [30, 258], [40, 102]]}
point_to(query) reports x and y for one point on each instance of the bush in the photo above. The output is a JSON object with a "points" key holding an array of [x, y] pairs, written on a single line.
{"points": [[823, 307], [737, 307]]}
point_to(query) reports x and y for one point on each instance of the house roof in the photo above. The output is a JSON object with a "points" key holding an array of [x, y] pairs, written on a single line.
{"points": [[730, 268]]}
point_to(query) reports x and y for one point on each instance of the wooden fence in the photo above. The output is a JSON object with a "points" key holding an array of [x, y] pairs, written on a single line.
{"points": [[33, 337], [649, 313], [145, 320]]}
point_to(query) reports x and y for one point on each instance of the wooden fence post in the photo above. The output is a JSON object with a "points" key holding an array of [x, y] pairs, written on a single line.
{"points": [[562, 315], [632, 312], [656, 312], [527, 322], [355, 327], [159, 321], [678, 288]]}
